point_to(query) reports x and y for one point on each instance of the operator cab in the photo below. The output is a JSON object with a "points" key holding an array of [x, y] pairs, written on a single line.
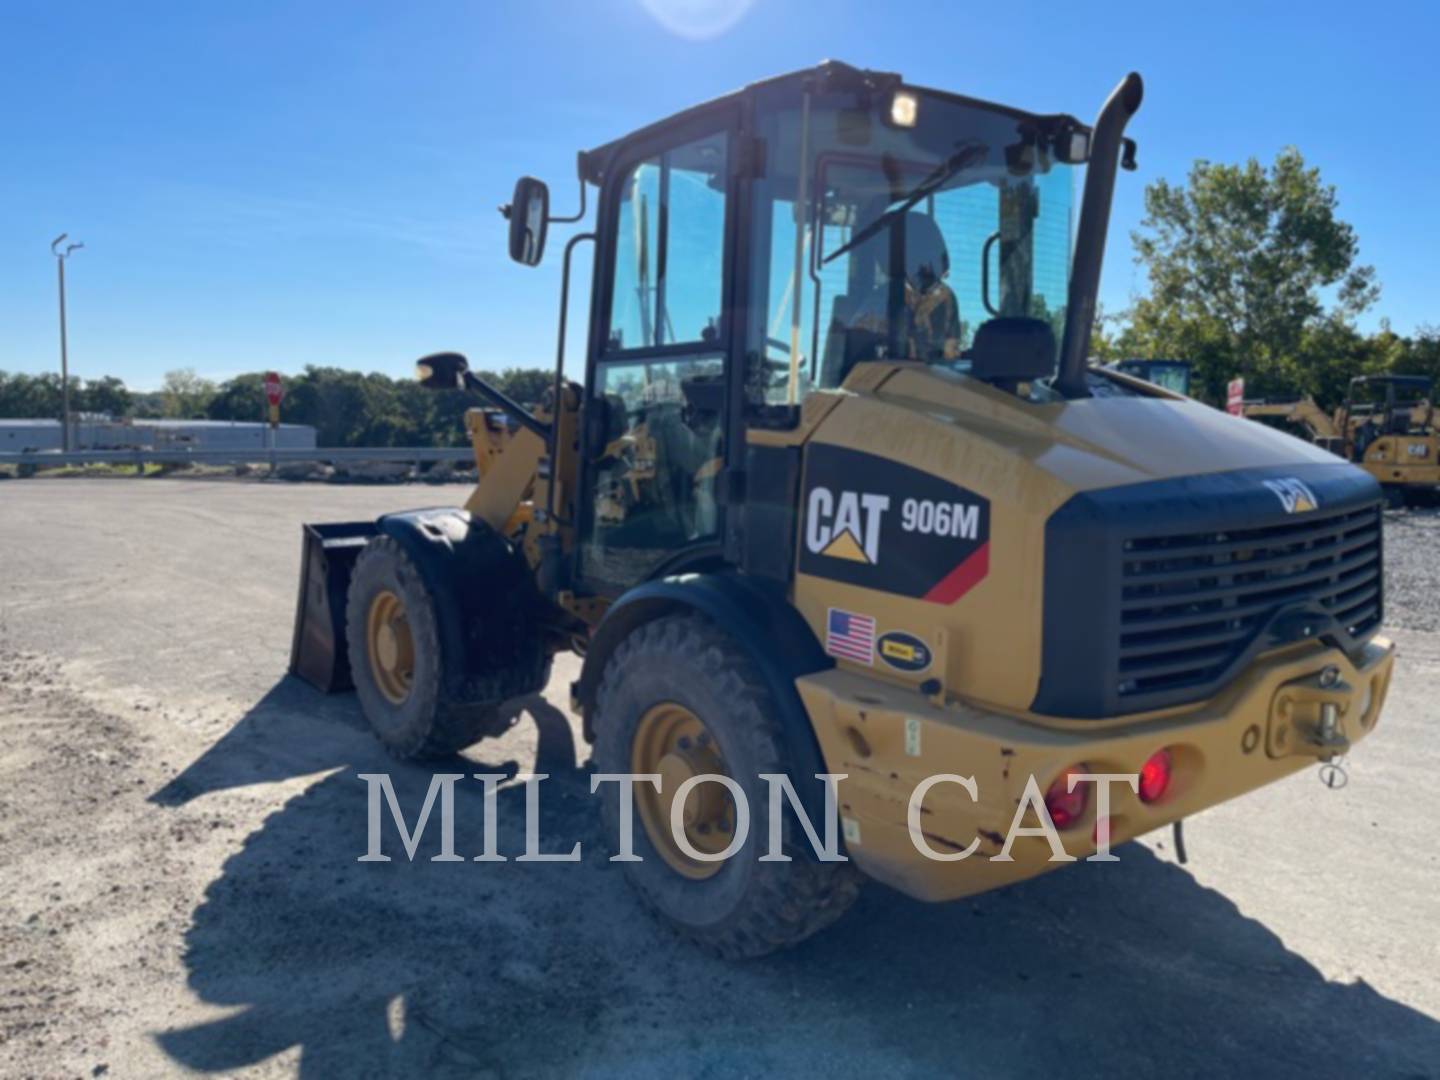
{"points": [[768, 244], [891, 223], [1378, 405]]}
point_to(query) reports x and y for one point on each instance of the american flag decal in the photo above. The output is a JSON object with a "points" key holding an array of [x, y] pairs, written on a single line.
{"points": [[850, 636]]}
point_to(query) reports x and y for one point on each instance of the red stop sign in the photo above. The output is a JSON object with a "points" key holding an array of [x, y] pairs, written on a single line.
{"points": [[273, 392], [1235, 397]]}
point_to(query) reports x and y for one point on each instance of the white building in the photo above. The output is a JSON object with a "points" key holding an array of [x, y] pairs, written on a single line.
{"points": [[105, 434]]}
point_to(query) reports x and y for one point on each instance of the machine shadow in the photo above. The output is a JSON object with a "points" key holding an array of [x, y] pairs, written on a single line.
{"points": [[552, 968]]}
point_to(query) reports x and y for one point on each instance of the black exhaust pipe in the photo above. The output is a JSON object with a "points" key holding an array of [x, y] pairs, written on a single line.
{"points": [[1106, 142]]}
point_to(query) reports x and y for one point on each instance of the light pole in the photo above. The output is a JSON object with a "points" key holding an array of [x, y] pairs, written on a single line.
{"points": [[60, 257]]}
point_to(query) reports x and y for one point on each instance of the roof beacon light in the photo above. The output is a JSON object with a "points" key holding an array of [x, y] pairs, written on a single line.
{"points": [[904, 109]]}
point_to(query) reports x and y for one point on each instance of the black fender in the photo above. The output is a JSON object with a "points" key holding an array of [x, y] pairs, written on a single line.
{"points": [[761, 621], [486, 602]]}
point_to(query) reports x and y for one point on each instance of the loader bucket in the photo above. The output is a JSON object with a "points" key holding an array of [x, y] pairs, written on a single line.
{"points": [[317, 651]]}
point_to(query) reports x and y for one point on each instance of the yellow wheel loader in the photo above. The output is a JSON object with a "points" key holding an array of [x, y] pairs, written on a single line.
{"points": [[839, 496], [1386, 426]]}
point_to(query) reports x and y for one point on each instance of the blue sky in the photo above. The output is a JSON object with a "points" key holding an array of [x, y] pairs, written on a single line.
{"points": [[266, 185]]}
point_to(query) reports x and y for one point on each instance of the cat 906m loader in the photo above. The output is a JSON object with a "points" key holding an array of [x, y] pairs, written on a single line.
{"points": [[839, 494]]}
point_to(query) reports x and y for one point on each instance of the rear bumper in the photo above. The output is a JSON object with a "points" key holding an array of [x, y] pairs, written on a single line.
{"points": [[1265, 725]]}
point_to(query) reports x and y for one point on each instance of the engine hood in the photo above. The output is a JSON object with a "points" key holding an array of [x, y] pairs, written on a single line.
{"points": [[952, 523], [1101, 442]]}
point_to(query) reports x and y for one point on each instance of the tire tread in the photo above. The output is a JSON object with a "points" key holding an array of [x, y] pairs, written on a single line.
{"points": [[782, 908]]}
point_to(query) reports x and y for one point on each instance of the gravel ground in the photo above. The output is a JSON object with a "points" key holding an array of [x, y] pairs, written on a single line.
{"points": [[1412, 569], [179, 891]]}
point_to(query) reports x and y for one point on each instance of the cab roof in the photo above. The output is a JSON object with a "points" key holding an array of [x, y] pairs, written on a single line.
{"points": [[827, 75]]}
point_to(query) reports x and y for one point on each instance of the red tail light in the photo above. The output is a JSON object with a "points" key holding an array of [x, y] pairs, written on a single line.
{"points": [[1155, 776], [1066, 807]]}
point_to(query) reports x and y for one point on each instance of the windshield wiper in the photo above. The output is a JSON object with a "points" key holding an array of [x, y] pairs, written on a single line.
{"points": [[957, 162]]}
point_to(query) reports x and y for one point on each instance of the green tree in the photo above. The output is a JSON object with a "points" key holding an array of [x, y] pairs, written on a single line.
{"points": [[240, 398], [148, 405], [1421, 355], [528, 386], [1244, 262], [332, 400], [347, 408], [1107, 337], [31, 397], [186, 395], [107, 395]]}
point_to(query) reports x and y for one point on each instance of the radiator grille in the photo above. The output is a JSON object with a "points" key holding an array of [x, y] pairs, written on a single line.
{"points": [[1190, 604]]}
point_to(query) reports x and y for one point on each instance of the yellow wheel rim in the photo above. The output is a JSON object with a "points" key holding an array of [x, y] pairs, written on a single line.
{"points": [[390, 646], [673, 742]]}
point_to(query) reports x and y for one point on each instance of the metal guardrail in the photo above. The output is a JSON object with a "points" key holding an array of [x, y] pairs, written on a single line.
{"points": [[332, 455]]}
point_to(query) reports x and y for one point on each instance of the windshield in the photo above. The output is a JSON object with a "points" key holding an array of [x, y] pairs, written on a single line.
{"points": [[876, 241]]}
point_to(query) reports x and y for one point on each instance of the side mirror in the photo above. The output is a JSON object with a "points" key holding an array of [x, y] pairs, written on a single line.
{"points": [[442, 371], [529, 214]]}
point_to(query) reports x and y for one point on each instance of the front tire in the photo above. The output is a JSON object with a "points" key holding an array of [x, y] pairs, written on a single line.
{"points": [[393, 643], [679, 698]]}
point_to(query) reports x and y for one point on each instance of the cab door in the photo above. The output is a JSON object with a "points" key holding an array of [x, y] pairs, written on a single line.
{"points": [[656, 404]]}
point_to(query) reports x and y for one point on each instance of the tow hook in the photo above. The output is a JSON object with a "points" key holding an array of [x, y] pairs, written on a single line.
{"points": [[1332, 767], [1307, 718]]}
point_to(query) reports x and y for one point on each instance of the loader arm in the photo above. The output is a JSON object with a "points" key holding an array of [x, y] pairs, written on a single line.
{"points": [[507, 459]]}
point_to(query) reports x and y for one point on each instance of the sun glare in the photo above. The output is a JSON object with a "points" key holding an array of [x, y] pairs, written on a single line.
{"points": [[698, 20]]}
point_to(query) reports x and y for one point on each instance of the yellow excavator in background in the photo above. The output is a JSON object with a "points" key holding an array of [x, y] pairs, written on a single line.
{"points": [[1386, 425]]}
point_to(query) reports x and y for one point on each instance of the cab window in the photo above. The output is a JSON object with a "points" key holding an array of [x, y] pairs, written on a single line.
{"points": [[659, 381], [669, 249]]}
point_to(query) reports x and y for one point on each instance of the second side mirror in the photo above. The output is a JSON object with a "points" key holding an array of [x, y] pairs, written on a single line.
{"points": [[442, 371], [529, 214]]}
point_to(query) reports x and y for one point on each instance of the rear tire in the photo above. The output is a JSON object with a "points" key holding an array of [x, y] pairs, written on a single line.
{"points": [[746, 908], [409, 715]]}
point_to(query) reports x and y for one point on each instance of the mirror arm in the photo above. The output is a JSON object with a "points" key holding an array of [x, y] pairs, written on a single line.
{"points": [[523, 416], [578, 215], [506, 209]]}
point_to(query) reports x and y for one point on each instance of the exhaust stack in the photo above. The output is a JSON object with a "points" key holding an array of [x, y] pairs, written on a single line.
{"points": [[1106, 142]]}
